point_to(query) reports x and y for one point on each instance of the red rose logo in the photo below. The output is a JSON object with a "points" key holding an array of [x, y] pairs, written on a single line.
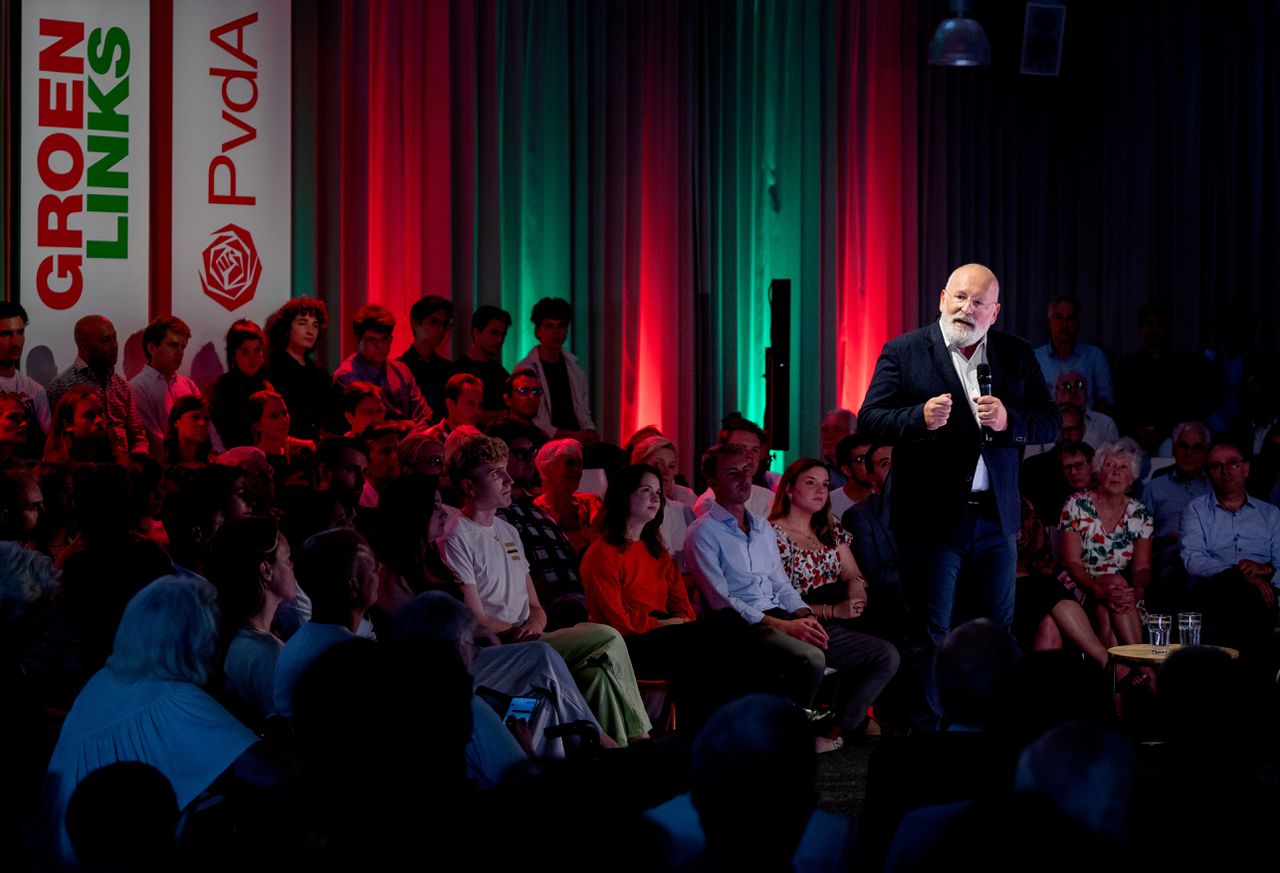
{"points": [[231, 267]]}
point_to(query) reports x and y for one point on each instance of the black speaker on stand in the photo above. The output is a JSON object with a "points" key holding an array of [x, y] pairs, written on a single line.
{"points": [[777, 361]]}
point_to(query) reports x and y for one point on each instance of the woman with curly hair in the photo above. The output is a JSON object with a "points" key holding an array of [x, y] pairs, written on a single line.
{"points": [[293, 332]]}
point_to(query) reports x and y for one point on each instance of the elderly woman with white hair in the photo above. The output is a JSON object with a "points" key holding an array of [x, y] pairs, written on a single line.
{"points": [[148, 704], [559, 463], [1106, 542], [660, 453]]}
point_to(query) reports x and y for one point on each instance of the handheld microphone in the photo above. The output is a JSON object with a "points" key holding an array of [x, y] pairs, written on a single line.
{"points": [[984, 389]]}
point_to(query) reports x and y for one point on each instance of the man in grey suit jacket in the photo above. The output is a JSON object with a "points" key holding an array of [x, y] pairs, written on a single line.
{"points": [[955, 504]]}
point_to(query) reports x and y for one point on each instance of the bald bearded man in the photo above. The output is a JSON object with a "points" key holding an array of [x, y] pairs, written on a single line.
{"points": [[954, 498], [95, 365]]}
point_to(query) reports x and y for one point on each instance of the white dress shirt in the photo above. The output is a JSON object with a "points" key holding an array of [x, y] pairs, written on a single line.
{"points": [[967, 370]]}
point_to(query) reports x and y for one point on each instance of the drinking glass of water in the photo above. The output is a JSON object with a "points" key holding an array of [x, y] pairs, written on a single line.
{"points": [[1158, 628], [1189, 628]]}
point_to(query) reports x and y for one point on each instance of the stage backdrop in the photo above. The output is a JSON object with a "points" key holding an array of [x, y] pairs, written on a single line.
{"points": [[655, 163]]}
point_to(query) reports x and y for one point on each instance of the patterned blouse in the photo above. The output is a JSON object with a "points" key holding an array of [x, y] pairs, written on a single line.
{"points": [[1104, 552], [809, 569]]}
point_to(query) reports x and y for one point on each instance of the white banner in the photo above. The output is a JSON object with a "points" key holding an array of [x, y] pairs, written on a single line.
{"points": [[85, 191], [231, 169]]}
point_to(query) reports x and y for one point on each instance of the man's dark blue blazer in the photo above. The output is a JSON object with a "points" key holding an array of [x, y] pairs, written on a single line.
{"points": [[933, 470]]}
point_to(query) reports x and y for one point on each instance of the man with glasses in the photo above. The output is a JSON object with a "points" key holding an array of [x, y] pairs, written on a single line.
{"points": [[1167, 495], [1230, 545], [851, 455], [523, 396], [1065, 352], [373, 325], [1072, 387], [1044, 475], [955, 504]]}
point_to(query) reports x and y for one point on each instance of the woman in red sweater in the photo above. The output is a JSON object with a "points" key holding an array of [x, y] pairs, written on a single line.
{"points": [[632, 583]]}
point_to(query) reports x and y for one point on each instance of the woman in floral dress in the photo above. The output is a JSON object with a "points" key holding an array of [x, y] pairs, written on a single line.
{"points": [[1106, 542]]}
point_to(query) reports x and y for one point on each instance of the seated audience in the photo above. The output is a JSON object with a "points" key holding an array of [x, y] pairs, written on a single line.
{"points": [[1041, 479], [737, 565], [489, 326], [124, 816], [440, 617], [196, 507], [78, 433], [485, 553], [259, 477], [35, 402], [750, 439], [98, 351], [1064, 353], [855, 484], [754, 755], [373, 325], [867, 522], [634, 585], [35, 643], [837, 424], [559, 465], [294, 332], [1045, 613], [1167, 494], [1169, 490], [1106, 543], [21, 506], [523, 396], [553, 561], [340, 575], [292, 459], [147, 704], [245, 376], [421, 452], [383, 443], [816, 557], [189, 439], [660, 452], [463, 396], [565, 411], [362, 406], [14, 429], [677, 512], [412, 701], [967, 759], [159, 385], [108, 562], [1073, 388], [1230, 544], [430, 319], [341, 463], [250, 565]]}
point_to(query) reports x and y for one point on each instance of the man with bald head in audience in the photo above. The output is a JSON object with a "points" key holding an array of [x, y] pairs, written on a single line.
{"points": [[98, 350], [955, 501]]}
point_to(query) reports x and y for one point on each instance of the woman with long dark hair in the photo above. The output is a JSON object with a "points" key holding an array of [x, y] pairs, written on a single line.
{"points": [[249, 563], [817, 559], [292, 459], [188, 443], [245, 376]]}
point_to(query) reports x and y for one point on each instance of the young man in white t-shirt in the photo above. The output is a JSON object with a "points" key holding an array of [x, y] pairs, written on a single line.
{"points": [[485, 554], [35, 404]]}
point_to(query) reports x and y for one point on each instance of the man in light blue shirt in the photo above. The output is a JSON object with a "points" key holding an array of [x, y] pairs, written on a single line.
{"points": [[1230, 545], [735, 560], [1167, 495], [1064, 352]]}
